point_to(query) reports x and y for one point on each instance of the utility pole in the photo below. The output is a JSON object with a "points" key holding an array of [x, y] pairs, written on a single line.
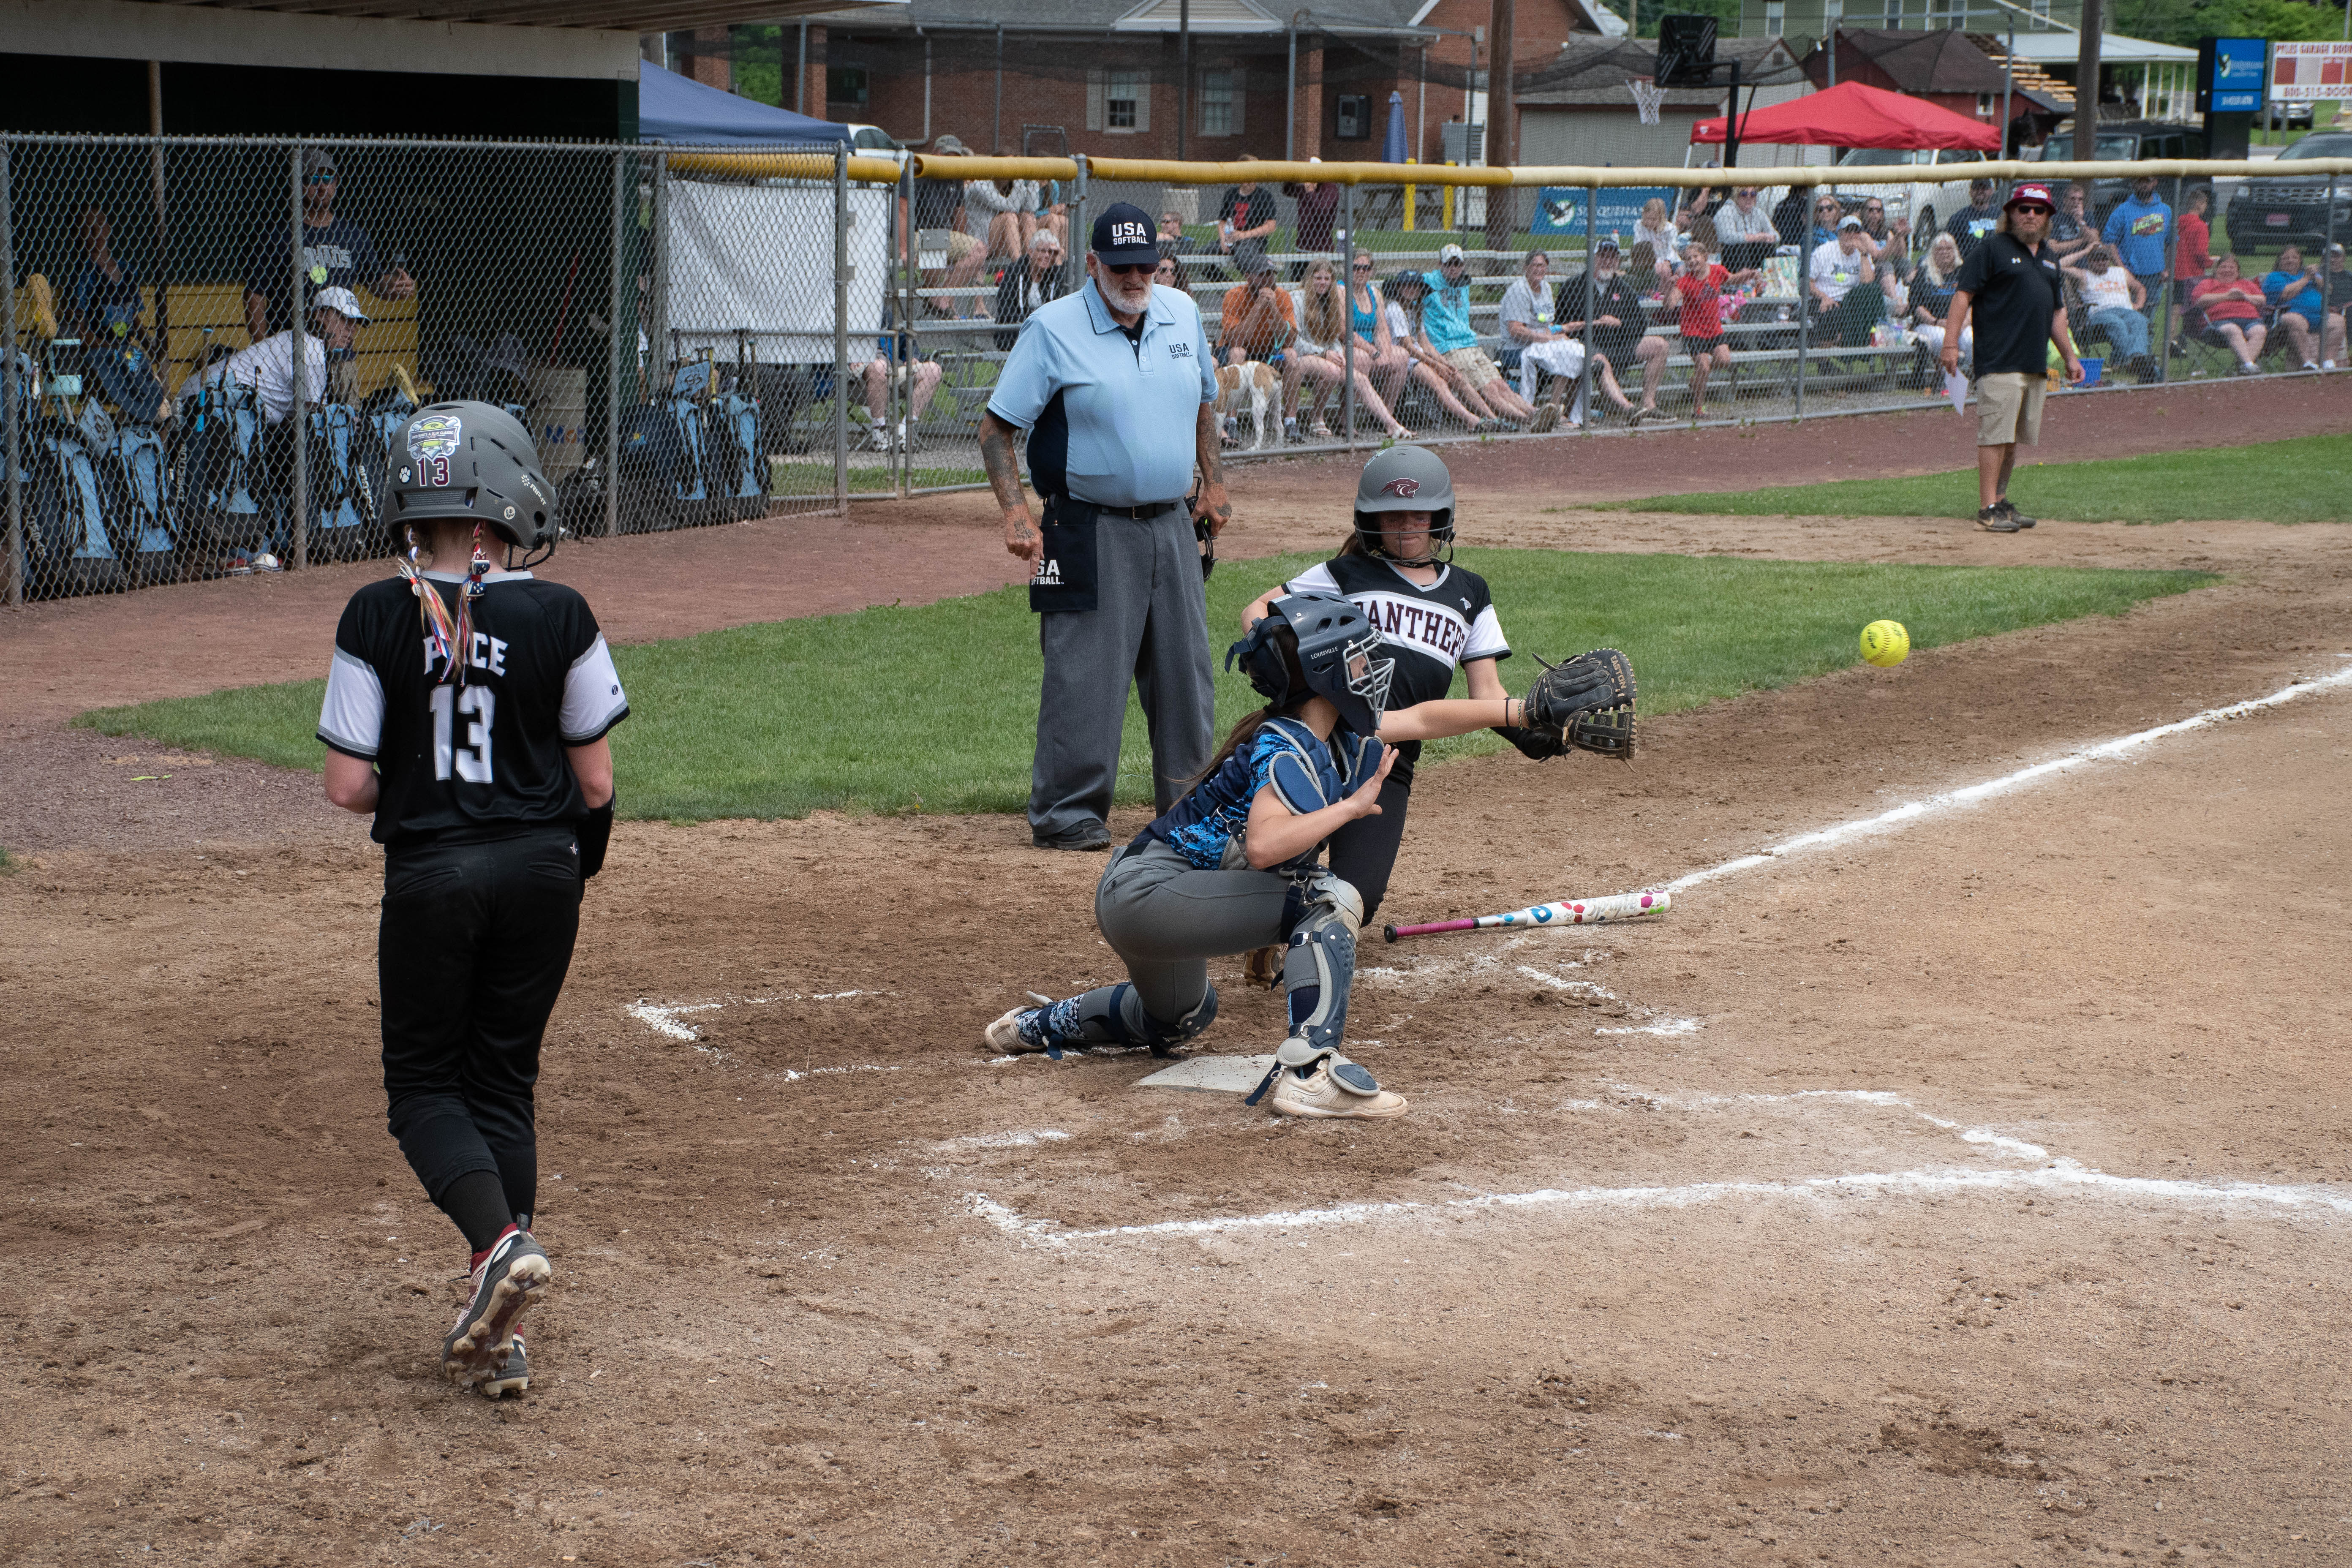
{"points": [[1502, 123], [2086, 83], [1184, 73]]}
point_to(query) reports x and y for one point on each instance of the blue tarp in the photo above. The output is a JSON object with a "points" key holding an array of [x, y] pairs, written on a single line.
{"points": [[681, 110]]}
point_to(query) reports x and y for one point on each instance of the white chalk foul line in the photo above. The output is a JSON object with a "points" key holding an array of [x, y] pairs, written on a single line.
{"points": [[1903, 816]]}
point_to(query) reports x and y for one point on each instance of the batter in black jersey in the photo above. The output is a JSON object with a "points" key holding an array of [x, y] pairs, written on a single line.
{"points": [[1432, 616], [467, 709]]}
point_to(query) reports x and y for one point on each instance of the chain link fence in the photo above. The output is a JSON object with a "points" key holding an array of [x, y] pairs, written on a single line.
{"points": [[702, 335]]}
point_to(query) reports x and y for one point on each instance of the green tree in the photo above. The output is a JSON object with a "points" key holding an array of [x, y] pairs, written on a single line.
{"points": [[758, 57], [2185, 22]]}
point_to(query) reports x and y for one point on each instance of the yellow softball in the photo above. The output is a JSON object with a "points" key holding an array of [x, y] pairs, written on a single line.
{"points": [[1885, 644]]}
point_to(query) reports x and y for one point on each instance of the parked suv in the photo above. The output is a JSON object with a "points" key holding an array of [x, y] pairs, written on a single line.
{"points": [[1938, 190], [2130, 141], [2269, 211]]}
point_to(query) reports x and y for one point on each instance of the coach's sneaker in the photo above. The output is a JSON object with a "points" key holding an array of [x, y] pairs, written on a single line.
{"points": [[512, 1374], [506, 1277], [1992, 520], [2009, 506], [1334, 1087]]}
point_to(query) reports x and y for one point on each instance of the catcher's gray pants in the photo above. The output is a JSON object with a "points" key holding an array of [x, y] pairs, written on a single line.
{"points": [[1150, 625], [1166, 918]]}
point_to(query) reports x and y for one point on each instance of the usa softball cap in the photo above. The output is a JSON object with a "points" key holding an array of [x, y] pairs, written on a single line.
{"points": [[1123, 237]]}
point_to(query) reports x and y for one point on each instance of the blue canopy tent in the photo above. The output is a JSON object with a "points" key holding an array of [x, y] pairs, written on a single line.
{"points": [[681, 110]]}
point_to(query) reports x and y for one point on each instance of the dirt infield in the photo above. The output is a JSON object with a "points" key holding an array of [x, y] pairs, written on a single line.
{"points": [[1972, 1192]]}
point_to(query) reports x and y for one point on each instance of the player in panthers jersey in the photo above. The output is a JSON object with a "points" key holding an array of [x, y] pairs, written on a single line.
{"points": [[467, 709], [1433, 616]]}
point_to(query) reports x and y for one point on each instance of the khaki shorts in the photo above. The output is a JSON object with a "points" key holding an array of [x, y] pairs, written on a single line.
{"points": [[2009, 408], [1475, 367]]}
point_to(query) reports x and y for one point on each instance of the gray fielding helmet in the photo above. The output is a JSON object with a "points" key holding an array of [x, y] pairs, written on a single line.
{"points": [[1405, 478], [471, 461]]}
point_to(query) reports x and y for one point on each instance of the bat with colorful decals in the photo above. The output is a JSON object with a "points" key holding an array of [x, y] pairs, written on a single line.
{"points": [[1566, 912]]}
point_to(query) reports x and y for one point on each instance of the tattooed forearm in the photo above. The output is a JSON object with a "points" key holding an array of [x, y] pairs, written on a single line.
{"points": [[1003, 465]]}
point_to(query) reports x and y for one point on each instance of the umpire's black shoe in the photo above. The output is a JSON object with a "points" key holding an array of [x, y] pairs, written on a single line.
{"points": [[1086, 836], [514, 1271]]}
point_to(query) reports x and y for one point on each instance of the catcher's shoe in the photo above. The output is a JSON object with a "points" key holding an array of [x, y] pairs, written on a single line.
{"points": [[514, 1271], [1337, 1088], [1262, 965], [1022, 1030], [511, 1375]]}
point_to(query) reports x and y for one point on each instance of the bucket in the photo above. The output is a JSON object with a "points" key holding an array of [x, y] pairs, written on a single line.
{"points": [[2092, 369], [559, 415]]}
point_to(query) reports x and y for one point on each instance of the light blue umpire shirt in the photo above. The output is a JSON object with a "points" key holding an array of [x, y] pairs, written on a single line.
{"points": [[1111, 420]]}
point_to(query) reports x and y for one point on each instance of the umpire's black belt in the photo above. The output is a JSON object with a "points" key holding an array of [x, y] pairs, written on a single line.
{"points": [[1139, 513]]}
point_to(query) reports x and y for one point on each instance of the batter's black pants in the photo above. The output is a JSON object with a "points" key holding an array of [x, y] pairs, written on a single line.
{"points": [[471, 954], [1364, 852]]}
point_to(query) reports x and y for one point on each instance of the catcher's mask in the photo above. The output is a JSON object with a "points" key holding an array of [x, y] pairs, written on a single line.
{"points": [[1405, 478], [469, 460], [1339, 653]]}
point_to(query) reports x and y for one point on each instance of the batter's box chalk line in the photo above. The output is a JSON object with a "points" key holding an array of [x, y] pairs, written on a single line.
{"points": [[670, 1018], [1903, 816], [2038, 1172]]}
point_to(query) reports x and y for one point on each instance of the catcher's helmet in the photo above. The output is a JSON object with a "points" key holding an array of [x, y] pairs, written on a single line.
{"points": [[1339, 653], [469, 460], [1405, 478]]}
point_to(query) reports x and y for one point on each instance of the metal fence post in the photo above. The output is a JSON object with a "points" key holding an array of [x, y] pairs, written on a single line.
{"points": [[841, 219], [1348, 318], [12, 387], [902, 336], [2159, 314], [2325, 244], [300, 415], [1804, 308], [1584, 378], [1082, 238], [615, 377]]}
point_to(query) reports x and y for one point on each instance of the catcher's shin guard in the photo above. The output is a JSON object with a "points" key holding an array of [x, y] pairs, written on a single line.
{"points": [[1107, 1015]]}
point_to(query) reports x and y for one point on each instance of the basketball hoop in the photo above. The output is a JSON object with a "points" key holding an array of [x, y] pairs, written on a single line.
{"points": [[1647, 96]]}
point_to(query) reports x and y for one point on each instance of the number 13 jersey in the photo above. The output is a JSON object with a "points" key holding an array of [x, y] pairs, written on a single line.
{"points": [[485, 759]]}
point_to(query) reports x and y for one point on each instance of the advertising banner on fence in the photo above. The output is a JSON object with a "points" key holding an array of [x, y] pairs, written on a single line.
{"points": [[2303, 73], [1560, 209]]}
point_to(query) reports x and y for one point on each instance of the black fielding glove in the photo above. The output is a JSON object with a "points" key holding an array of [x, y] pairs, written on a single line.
{"points": [[594, 834], [1536, 744]]}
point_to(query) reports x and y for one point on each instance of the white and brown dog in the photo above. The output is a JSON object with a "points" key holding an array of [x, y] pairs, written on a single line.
{"points": [[1259, 385]]}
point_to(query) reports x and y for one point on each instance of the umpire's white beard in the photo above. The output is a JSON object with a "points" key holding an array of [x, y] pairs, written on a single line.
{"points": [[1129, 296]]}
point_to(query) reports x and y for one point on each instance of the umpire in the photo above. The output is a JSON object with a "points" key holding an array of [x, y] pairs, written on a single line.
{"points": [[485, 765], [1116, 390]]}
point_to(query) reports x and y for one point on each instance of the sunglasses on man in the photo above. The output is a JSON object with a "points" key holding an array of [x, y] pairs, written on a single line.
{"points": [[1140, 269]]}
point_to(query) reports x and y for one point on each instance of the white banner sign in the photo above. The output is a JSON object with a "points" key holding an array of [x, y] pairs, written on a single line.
{"points": [[2303, 73]]}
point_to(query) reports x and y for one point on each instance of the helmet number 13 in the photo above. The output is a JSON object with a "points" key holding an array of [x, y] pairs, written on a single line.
{"points": [[478, 703]]}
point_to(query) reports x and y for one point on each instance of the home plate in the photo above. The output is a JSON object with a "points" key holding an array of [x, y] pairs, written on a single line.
{"points": [[1226, 1075]]}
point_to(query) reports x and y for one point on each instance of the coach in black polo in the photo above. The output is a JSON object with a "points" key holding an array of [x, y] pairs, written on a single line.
{"points": [[2012, 286], [1118, 392]]}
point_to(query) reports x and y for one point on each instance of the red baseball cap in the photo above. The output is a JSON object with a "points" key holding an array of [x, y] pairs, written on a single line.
{"points": [[2029, 193]]}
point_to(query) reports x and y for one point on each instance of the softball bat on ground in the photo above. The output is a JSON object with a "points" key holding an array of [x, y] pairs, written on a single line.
{"points": [[1566, 912]]}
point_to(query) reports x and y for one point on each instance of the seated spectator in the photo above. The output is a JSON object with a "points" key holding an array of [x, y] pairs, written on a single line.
{"points": [[1699, 288], [1007, 210], [2297, 296], [1828, 212], [2193, 257], [1930, 303], [1979, 217], [1843, 282], [268, 367], [1170, 274], [1318, 205], [1890, 249], [1445, 322], [1655, 244], [1695, 218], [1053, 210], [899, 364], [1790, 219], [1527, 321], [1038, 279], [2339, 292], [341, 255], [1255, 323], [1743, 230], [2112, 303], [1377, 349], [1245, 220], [103, 311], [2232, 310], [939, 207], [1408, 298], [2071, 229], [1602, 299], [1317, 363]]}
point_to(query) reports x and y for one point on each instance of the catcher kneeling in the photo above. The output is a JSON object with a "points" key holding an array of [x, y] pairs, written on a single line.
{"points": [[1235, 864]]}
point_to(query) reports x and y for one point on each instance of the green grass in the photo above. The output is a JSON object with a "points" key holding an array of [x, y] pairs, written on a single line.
{"points": [[2302, 481], [934, 708]]}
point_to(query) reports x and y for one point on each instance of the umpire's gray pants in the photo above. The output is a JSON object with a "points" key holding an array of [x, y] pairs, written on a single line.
{"points": [[1166, 918], [1150, 624]]}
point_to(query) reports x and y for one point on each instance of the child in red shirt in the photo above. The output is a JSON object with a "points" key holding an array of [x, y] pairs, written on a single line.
{"points": [[1700, 287], [2196, 253]]}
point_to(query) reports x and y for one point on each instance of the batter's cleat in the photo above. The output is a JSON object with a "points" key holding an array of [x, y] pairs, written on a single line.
{"points": [[514, 1271], [513, 1376], [2009, 506], [1992, 520], [1337, 1088]]}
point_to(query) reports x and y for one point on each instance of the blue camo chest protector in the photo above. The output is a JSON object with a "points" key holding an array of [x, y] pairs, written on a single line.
{"points": [[1184, 890]]}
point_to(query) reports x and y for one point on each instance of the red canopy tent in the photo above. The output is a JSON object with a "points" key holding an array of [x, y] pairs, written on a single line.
{"points": [[1852, 115]]}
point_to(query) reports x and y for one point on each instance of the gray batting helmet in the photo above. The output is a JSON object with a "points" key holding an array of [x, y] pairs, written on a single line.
{"points": [[474, 462], [1405, 478]]}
